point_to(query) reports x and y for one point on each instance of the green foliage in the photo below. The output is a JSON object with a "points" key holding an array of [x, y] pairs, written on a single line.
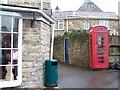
{"points": [[77, 36]]}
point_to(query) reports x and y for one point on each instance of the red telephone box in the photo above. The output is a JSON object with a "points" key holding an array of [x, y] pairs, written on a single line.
{"points": [[98, 47]]}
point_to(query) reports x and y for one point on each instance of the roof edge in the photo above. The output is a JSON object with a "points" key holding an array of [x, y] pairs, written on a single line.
{"points": [[26, 9]]}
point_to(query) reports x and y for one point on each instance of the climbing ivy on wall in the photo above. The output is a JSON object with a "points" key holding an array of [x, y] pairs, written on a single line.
{"points": [[77, 36], [77, 49]]}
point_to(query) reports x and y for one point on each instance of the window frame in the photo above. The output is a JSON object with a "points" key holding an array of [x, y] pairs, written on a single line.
{"points": [[105, 23], [14, 83], [86, 25], [89, 7], [57, 23]]}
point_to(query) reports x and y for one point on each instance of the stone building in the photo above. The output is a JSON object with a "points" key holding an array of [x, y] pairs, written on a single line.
{"points": [[88, 15], [25, 44], [45, 5]]}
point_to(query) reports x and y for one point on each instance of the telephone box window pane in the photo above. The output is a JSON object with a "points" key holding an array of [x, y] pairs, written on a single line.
{"points": [[6, 24], [102, 42], [101, 54], [101, 59], [16, 24], [102, 38], [15, 40], [100, 46], [100, 50]]}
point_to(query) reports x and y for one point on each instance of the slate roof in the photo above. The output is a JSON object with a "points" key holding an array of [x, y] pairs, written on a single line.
{"points": [[90, 15]]}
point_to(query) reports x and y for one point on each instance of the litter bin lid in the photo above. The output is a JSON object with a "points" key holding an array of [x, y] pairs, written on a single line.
{"points": [[51, 60]]}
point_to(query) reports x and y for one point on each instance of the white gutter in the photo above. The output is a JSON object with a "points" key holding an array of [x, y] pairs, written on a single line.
{"points": [[27, 10]]}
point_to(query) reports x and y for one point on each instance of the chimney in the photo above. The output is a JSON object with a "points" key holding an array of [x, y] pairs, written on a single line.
{"points": [[57, 9]]}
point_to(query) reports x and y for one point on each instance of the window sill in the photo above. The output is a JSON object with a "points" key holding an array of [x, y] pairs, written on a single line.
{"points": [[59, 29]]}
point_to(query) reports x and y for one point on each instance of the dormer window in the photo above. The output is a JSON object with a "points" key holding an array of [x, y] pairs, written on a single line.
{"points": [[89, 7]]}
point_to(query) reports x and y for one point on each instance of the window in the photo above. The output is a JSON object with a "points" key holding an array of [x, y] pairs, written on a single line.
{"points": [[59, 25], [86, 25], [10, 49], [89, 7], [104, 23]]}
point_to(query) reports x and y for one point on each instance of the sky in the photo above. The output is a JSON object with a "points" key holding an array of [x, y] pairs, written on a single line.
{"points": [[71, 5]]}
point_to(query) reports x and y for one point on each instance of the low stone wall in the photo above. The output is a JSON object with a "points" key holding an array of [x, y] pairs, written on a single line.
{"points": [[78, 54]]}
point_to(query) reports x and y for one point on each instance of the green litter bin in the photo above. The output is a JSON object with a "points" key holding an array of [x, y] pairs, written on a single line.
{"points": [[51, 73]]}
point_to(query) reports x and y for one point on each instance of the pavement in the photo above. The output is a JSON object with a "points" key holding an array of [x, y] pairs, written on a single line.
{"points": [[76, 77]]}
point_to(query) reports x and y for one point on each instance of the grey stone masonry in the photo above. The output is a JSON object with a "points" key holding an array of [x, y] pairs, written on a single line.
{"points": [[36, 49]]}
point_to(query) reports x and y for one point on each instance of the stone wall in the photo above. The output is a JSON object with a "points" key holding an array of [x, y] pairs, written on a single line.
{"points": [[33, 3], [77, 49], [59, 32], [36, 47], [58, 51]]}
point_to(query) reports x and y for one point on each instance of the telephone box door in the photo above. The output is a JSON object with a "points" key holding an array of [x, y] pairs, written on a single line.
{"points": [[102, 50]]}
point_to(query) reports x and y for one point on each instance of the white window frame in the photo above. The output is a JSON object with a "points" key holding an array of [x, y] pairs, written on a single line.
{"points": [[86, 25], [58, 25], [89, 7], [104, 23], [14, 83]]}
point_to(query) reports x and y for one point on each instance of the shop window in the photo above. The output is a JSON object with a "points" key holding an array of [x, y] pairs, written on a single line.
{"points": [[10, 49]]}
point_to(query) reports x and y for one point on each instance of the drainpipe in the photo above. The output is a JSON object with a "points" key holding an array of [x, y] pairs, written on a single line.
{"points": [[41, 7], [52, 43], [119, 18], [119, 27], [67, 24]]}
